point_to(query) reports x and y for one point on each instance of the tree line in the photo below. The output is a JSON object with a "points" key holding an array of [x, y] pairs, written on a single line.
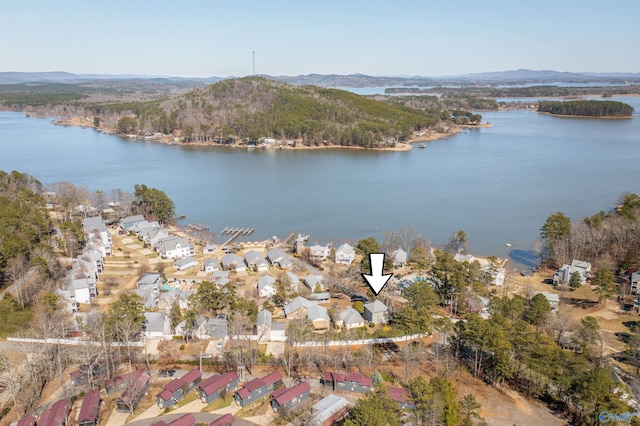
{"points": [[591, 108]]}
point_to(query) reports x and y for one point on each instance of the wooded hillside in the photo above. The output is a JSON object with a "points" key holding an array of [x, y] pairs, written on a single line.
{"points": [[254, 107]]}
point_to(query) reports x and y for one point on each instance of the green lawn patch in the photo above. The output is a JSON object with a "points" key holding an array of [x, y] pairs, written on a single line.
{"points": [[218, 404]]}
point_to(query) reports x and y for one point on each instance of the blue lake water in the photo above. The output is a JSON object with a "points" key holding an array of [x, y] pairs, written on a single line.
{"points": [[498, 184]]}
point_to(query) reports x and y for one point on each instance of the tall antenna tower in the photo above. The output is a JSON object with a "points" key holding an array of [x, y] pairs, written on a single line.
{"points": [[254, 62]]}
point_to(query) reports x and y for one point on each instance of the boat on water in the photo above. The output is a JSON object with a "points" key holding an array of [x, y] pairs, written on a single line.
{"points": [[422, 145]]}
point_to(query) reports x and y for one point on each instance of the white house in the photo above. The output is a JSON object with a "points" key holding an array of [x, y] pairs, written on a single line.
{"points": [[399, 258], [209, 249], [95, 227], [211, 265], [278, 258], [318, 252], [635, 282], [175, 247], [563, 275], [156, 325], [345, 254], [233, 262], [349, 318], [314, 282], [256, 261], [185, 263], [553, 299], [263, 324], [267, 286]]}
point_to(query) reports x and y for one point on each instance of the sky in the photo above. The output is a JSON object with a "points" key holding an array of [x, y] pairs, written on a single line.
{"points": [[203, 38]]}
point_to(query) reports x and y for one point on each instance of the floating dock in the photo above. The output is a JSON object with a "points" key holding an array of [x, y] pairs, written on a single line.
{"points": [[238, 231]]}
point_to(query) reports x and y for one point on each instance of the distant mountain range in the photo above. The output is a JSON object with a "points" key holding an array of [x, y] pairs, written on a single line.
{"points": [[351, 80]]}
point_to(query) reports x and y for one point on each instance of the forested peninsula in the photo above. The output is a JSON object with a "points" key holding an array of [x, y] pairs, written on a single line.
{"points": [[591, 108]]}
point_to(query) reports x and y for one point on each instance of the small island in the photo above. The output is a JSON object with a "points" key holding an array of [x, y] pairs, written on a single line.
{"points": [[584, 108]]}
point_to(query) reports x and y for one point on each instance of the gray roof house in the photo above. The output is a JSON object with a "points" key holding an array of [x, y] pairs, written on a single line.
{"points": [[185, 263], [256, 261], [553, 299], [233, 262], [127, 222], [376, 312], [209, 248], [294, 281], [329, 410], [319, 316], [278, 258], [211, 265], [263, 324], [297, 308], [635, 282], [312, 281], [266, 286], [175, 247], [150, 296], [220, 278], [563, 275], [399, 258], [349, 318], [151, 279], [345, 254], [156, 324]]}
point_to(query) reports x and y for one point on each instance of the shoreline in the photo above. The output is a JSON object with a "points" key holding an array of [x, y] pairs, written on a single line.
{"points": [[626, 117], [170, 140]]}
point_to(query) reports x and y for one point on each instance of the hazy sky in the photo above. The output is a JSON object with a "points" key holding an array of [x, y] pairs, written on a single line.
{"points": [[290, 37]]}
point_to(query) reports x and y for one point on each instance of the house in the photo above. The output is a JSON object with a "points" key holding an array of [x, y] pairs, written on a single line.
{"points": [[27, 421], [345, 254], [118, 383], [217, 386], [297, 308], [95, 227], [284, 400], [128, 222], [376, 312], [319, 316], [267, 286], [57, 415], [402, 397], [226, 420], [322, 297], [294, 281], [349, 318], [178, 388], [184, 420], [278, 331], [233, 262], [314, 282], [174, 247], [153, 235], [156, 325], [351, 382], [220, 278], [90, 409], [185, 263], [149, 279], [329, 410], [256, 261], [209, 249], [257, 389], [211, 265], [563, 275], [318, 252], [263, 324], [217, 328], [553, 299], [279, 259], [399, 258], [635, 282], [136, 388]]}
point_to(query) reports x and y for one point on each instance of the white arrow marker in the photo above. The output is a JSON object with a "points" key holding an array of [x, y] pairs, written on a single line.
{"points": [[376, 280]]}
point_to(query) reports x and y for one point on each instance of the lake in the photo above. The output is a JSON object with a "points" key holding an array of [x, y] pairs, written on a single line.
{"points": [[498, 184]]}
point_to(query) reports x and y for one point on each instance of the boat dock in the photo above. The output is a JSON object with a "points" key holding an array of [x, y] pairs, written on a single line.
{"points": [[238, 231], [235, 232]]}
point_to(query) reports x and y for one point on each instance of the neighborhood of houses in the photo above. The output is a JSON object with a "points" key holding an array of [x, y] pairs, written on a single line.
{"points": [[268, 263]]}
